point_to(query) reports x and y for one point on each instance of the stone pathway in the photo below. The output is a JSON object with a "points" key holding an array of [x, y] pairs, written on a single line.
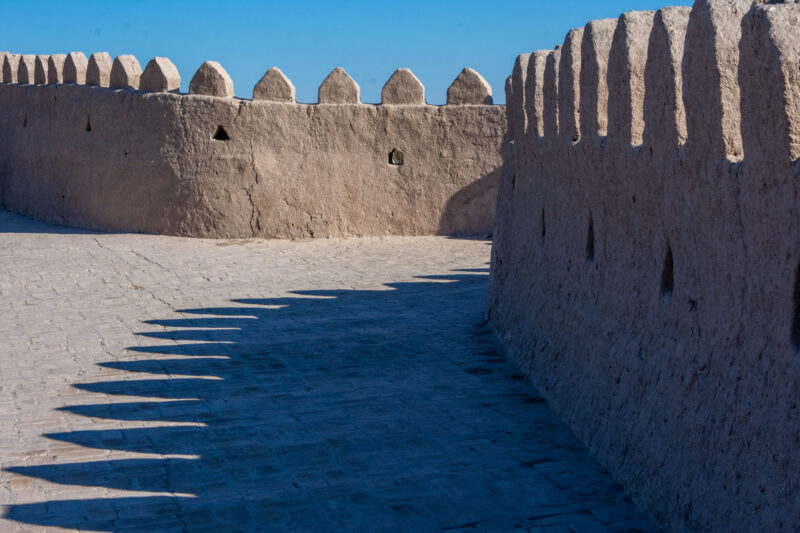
{"points": [[165, 384]]}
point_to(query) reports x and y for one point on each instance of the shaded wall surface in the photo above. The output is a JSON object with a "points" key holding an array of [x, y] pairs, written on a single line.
{"points": [[121, 159], [646, 262]]}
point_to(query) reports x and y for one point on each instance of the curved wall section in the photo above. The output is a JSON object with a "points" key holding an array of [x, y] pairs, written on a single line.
{"points": [[206, 166]]}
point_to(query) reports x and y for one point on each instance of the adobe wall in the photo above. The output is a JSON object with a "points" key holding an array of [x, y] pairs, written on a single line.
{"points": [[140, 157], [646, 262]]}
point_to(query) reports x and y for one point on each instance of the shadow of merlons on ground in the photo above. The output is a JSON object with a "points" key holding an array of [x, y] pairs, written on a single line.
{"points": [[330, 410]]}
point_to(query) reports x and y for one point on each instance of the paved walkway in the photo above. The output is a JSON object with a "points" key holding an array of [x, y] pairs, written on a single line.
{"points": [[165, 384]]}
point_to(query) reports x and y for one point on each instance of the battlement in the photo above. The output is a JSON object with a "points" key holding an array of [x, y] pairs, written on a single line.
{"points": [[211, 79], [616, 77], [104, 144], [646, 263]]}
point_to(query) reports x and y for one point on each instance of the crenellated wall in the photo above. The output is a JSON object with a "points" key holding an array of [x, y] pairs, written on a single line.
{"points": [[646, 262], [105, 145]]}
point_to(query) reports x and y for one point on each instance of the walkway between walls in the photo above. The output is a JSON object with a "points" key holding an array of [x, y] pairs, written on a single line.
{"points": [[155, 383]]}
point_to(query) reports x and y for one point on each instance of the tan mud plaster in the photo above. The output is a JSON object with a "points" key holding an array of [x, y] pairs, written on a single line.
{"points": [[3, 56], [339, 88], [403, 88], [98, 71], [627, 61], [518, 83], [665, 118], [10, 67], [711, 61], [640, 279], [212, 80], [125, 72], [569, 85], [75, 68], [469, 88], [55, 68], [283, 170], [550, 94], [40, 69], [26, 68], [160, 75], [534, 101], [595, 50], [274, 86]]}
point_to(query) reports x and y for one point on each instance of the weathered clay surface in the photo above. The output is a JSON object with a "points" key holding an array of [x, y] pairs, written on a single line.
{"points": [[550, 93], [534, 96], [125, 72], [98, 71], [3, 56], [212, 80], [10, 67], [626, 67], [469, 87], [651, 291], [595, 50], [75, 67], [665, 118], [40, 69], [160, 75], [710, 64], [274, 86], [569, 90], [403, 88], [26, 68], [55, 68], [339, 88], [151, 163], [519, 73]]}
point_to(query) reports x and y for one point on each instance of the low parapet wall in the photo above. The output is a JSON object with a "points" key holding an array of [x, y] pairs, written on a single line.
{"points": [[105, 145], [646, 262]]}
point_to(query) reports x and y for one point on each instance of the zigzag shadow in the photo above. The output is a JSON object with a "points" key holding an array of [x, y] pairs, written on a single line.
{"points": [[330, 410]]}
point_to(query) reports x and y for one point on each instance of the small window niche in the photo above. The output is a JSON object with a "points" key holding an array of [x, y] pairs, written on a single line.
{"points": [[221, 134], [396, 157]]}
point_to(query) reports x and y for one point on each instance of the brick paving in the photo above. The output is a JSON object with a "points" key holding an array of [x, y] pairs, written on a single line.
{"points": [[155, 383]]}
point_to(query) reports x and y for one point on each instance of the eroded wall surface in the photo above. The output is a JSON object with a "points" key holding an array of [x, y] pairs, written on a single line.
{"points": [[646, 262], [131, 160]]}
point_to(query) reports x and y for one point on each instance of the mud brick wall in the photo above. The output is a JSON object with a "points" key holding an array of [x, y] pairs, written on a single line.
{"points": [[105, 145], [646, 262]]}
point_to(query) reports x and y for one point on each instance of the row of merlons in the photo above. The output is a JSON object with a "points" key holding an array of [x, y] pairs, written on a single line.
{"points": [[161, 75]]}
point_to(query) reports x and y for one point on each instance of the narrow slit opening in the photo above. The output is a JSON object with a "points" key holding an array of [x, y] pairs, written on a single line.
{"points": [[796, 317], [88, 124], [590, 240], [668, 273], [544, 227]]}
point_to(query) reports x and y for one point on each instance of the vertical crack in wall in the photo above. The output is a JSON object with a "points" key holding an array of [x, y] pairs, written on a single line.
{"points": [[255, 222]]}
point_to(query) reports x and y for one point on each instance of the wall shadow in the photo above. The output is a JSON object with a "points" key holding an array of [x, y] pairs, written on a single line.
{"points": [[11, 222], [470, 211], [326, 410]]}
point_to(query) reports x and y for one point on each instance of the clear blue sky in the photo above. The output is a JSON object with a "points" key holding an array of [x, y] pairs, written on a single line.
{"points": [[306, 40]]}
